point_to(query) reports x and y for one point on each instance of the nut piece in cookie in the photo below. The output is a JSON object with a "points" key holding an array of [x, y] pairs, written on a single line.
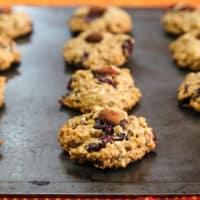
{"points": [[186, 51], [14, 24], [181, 18], [107, 138], [8, 53], [92, 48], [111, 19], [2, 88], [106, 86], [189, 91]]}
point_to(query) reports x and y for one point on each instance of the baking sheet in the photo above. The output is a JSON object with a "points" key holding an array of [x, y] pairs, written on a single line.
{"points": [[31, 160]]}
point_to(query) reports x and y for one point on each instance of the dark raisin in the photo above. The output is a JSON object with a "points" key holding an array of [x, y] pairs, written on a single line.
{"points": [[123, 123], [105, 79], [95, 12], [185, 101], [108, 129], [127, 47], [94, 37], [85, 56], [103, 125], [94, 146]]}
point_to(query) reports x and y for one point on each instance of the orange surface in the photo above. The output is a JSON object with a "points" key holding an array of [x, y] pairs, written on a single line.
{"points": [[146, 3]]}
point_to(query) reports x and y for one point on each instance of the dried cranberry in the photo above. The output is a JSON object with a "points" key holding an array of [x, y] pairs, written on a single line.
{"points": [[121, 136], [107, 139], [127, 47], [105, 79], [95, 12], [94, 147], [94, 37], [105, 126], [85, 56]]}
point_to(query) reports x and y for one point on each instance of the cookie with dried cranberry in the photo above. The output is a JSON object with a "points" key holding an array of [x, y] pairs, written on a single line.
{"points": [[111, 19], [107, 138], [181, 18], [103, 86], [90, 49], [2, 88], [189, 91], [14, 24], [186, 50], [8, 53]]}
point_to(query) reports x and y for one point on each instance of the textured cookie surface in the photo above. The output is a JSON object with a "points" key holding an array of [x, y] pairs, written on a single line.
{"points": [[2, 88], [8, 53], [186, 50], [111, 19], [107, 138], [104, 86], [181, 18], [94, 48], [14, 24], [189, 91]]}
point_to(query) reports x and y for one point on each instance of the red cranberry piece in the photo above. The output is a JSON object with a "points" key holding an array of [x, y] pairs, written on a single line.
{"points": [[127, 47], [94, 37], [106, 139]]}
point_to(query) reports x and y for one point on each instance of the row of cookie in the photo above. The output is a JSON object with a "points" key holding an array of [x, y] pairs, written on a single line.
{"points": [[105, 136], [182, 19], [12, 25]]}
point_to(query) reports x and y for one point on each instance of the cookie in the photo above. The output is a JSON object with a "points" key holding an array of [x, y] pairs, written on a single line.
{"points": [[104, 86], [107, 138], [181, 18], [8, 53], [186, 51], [95, 48], [110, 19], [189, 91], [14, 24], [2, 88]]}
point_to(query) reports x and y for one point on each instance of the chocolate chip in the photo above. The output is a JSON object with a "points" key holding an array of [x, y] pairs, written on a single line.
{"points": [[106, 70], [5, 10], [94, 147], [95, 12], [94, 37], [127, 47]]}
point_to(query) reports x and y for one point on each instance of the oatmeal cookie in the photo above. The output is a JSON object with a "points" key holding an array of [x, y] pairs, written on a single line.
{"points": [[94, 48], [2, 88], [104, 86], [111, 19], [107, 138], [8, 53], [186, 50], [181, 18], [189, 91], [14, 24]]}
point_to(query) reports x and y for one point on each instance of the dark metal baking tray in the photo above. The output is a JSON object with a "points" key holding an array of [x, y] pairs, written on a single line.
{"points": [[31, 160]]}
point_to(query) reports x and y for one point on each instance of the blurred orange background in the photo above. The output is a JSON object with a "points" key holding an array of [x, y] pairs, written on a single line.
{"points": [[145, 3]]}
